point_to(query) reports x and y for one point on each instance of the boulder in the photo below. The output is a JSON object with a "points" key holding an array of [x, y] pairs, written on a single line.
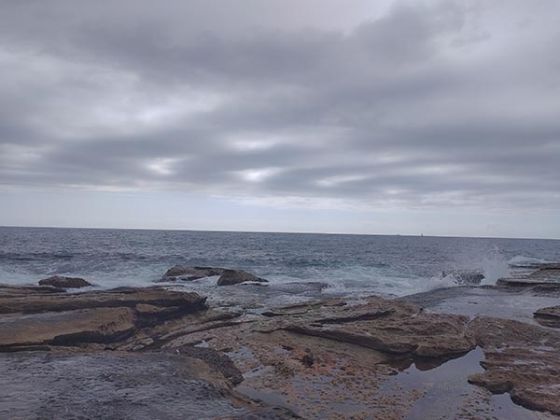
{"points": [[231, 277], [185, 273], [227, 276], [64, 282]]}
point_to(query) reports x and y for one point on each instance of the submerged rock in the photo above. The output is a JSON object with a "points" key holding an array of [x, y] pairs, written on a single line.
{"points": [[231, 277], [65, 282]]}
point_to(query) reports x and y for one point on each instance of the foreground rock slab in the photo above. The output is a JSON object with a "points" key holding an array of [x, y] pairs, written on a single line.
{"points": [[31, 317], [328, 358], [116, 385]]}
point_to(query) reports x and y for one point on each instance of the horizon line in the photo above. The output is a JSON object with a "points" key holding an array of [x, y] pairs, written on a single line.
{"points": [[419, 235]]}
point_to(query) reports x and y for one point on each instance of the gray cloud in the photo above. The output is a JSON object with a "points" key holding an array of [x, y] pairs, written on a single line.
{"points": [[435, 103]]}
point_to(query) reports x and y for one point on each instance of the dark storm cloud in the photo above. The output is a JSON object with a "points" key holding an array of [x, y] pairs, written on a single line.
{"points": [[451, 103]]}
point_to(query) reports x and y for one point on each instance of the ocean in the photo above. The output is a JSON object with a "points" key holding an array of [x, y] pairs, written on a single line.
{"points": [[342, 264]]}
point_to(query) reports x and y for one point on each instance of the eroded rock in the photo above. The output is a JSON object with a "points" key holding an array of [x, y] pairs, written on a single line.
{"points": [[520, 359], [65, 282]]}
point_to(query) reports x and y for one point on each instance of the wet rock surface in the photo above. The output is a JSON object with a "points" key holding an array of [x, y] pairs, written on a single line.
{"points": [[520, 359], [499, 302], [549, 317], [546, 276], [113, 385], [158, 353], [65, 282]]}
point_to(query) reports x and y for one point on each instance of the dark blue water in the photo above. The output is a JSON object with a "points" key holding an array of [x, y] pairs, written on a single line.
{"points": [[395, 265]]}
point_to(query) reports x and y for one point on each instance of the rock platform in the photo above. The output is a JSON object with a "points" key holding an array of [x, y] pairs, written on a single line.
{"points": [[155, 352]]}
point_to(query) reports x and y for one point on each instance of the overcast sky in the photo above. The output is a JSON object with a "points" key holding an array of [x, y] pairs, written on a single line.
{"points": [[409, 117]]}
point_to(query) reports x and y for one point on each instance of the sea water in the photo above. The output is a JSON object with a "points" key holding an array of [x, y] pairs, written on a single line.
{"points": [[342, 264]]}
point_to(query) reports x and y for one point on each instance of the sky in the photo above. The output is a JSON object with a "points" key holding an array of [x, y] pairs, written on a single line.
{"points": [[349, 116]]}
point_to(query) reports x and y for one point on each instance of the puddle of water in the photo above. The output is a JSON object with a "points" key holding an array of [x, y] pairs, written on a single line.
{"points": [[444, 392], [267, 397]]}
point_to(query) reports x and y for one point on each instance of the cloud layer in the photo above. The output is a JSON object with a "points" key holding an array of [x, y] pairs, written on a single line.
{"points": [[436, 103]]}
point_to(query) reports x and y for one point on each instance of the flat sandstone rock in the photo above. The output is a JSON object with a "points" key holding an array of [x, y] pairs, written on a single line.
{"points": [[520, 359], [28, 318], [126, 297], [320, 359], [83, 325]]}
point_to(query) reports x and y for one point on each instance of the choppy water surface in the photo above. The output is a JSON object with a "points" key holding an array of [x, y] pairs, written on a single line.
{"points": [[392, 265]]}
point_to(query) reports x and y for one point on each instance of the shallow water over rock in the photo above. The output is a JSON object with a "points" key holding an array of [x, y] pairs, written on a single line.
{"points": [[443, 392]]}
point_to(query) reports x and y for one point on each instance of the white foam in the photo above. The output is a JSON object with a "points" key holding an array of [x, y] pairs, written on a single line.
{"points": [[493, 269]]}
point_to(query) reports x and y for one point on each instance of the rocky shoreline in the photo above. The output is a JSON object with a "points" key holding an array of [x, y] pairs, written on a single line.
{"points": [[160, 353]]}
